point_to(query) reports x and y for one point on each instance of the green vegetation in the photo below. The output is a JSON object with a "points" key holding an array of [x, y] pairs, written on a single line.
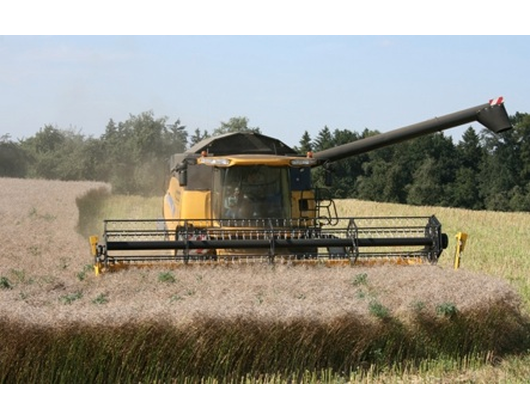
{"points": [[72, 297], [167, 277], [247, 350], [5, 283], [101, 299], [446, 309], [360, 279], [378, 310]]}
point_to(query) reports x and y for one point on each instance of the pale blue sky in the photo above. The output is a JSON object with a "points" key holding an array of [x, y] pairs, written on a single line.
{"points": [[283, 84]]}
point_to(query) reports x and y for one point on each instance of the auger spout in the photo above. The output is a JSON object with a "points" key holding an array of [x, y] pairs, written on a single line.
{"points": [[492, 115]]}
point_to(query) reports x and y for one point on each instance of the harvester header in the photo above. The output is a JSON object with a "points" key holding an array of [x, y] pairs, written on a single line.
{"points": [[249, 197]]}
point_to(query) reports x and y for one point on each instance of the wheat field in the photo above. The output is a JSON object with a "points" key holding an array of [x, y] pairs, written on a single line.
{"points": [[47, 281], [44, 252]]}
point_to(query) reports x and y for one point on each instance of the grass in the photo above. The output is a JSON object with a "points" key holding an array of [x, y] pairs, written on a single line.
{"points": [[253, 324], [229, 351]]}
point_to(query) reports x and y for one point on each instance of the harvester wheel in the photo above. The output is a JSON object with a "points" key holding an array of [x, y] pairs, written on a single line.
{"points": [[445, 241]]}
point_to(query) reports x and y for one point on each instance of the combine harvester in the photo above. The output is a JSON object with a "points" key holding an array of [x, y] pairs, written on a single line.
{"points": [[249, 197]]}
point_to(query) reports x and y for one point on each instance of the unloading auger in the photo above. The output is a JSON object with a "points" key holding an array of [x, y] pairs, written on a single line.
{"points": [[248, 197]]}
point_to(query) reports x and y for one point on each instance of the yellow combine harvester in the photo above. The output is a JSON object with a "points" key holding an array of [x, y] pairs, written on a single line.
{"points": [[246, 197]]}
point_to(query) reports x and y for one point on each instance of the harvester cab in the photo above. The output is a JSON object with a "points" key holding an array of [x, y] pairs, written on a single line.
{"points": [[246, 196]]}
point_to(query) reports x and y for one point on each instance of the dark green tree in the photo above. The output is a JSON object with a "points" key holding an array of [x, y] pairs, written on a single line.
{"points": [[345, 171], [137, 151], [519, 194], [197, 136], [179, 135], [522, 133], [324, 139], [469, 150], [502, 170], [426, 187], [235, 124], [45, 151], [385, 174], [371, 184], [58, 154], [464, 192], [432, 161], [13, 159], [306, 144]]}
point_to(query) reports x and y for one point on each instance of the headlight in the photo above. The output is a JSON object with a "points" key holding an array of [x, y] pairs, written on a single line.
{"points": [[213, 161], [303, 162]]}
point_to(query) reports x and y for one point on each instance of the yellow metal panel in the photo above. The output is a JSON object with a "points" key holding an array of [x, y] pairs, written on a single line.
{"points": [[461, 239], [296, 196], [197, 205], [249, 160], [93, 245]]}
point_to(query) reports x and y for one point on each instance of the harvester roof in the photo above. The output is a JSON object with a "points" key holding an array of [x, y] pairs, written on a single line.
{"points": [[242, 143]]}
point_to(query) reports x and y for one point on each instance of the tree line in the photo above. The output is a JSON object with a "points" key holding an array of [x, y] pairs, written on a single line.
{"points": [[482, 170]]}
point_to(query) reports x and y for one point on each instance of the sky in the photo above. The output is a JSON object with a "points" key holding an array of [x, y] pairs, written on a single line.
{"points": [[284, 84]]}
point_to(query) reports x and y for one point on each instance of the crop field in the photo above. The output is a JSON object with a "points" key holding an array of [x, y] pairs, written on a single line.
{"points": [[59, 323]]}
